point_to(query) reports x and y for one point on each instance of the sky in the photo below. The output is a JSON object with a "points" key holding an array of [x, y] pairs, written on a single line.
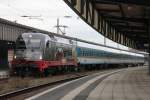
{"points": [[46, 13]]}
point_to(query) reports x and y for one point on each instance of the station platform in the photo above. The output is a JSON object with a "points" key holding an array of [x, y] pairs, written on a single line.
{"points": [[132, 84], [4, 74], [126, 84]]}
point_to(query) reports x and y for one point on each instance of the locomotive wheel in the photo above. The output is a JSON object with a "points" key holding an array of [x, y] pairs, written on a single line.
{"points": [[36, 73], [21, 72], [46, 73]]}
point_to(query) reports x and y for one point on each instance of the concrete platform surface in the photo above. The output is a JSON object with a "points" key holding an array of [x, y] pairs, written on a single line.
{"points": [[126, 84], [4, 74]]}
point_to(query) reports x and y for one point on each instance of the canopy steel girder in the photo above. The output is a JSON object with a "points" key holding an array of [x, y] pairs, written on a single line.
{"points": [[133, 2], [129, 27], [125, 19]]}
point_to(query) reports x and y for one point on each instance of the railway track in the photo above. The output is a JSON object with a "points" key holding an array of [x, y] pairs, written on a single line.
{"points": [[35, 88], [3, 80]]}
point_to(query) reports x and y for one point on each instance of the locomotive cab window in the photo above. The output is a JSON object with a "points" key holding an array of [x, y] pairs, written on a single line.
{"points": [[20, 43], [48, 44]]}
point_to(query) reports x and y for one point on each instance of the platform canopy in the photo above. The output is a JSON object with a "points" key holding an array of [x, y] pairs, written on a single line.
{"points": [[124, 21]]}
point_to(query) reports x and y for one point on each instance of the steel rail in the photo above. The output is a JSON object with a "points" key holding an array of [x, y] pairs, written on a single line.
{"points": [[34, 88]]}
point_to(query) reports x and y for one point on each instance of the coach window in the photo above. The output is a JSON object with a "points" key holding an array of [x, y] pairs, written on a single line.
{"points": [[94, 53], [99, 53], [82, 52], [86, 52], [90, 52]]}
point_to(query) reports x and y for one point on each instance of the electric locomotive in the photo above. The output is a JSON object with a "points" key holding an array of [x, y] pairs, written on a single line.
{"points": [[37, 52]]}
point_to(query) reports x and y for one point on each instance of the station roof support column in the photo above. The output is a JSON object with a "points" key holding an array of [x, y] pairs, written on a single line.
{"points": [[149, 45]]}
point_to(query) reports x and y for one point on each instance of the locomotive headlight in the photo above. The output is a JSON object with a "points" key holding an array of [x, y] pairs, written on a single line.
{"points": [[40, 57], [30, 36], [14, 56]]}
